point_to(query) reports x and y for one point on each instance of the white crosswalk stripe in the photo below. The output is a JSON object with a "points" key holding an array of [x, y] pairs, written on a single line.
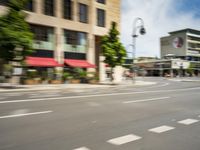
{"points": [[161, 129], [124, 139], [188, 121]]}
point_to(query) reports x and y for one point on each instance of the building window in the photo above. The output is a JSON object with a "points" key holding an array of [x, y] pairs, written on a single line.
{"points": [[75, 38], [83, 13], [75, 41], [73, 55], [67, 9], [100, 17], [42, 33], [4, 2], [82, 38], [49, 7], [29, 6], [101, 1], [71, 37], [43, 53]]}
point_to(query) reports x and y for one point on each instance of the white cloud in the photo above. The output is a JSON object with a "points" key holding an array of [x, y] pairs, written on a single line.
{"points": [[160, 17]]}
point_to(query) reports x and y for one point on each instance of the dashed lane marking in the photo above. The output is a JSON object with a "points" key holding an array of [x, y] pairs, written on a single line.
{"points": [[146, 100], [82, 148], [188, 121], [161, 129], [124, 139], [23, 115]]}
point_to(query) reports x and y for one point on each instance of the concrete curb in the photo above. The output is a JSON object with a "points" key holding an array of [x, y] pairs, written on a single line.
{"points": [[70, 87], [184, 80]]}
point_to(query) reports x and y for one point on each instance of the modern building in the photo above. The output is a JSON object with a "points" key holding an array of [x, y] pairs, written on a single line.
{"points": [[69, 31], [184, 44], [164, 67], [180, 55]]}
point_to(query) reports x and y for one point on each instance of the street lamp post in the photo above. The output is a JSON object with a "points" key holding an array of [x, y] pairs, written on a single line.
{"points": [[138, 24]]}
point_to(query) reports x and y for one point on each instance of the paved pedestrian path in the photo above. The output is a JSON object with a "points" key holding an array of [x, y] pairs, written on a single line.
{"points": [[9, 87], [186, 79]]}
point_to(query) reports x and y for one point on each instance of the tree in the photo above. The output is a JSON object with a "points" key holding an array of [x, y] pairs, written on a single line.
{"points": [[15, 35], [190, 69], [112, 49]]}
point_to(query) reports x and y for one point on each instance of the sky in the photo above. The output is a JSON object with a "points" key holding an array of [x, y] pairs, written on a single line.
{"points": [[160, 17]]}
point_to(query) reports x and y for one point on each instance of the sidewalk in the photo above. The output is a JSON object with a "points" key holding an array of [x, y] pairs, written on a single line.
{"points": [[186, 79], [5, 87]]}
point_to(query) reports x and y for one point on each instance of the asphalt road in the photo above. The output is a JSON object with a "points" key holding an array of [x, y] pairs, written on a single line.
{"points": [[165, 116]]}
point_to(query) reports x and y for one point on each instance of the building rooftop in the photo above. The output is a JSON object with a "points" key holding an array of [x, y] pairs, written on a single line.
{"points": [[188, 30]]}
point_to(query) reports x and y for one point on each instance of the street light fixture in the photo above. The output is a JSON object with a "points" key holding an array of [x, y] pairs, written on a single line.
{"points": [[138, 24]]}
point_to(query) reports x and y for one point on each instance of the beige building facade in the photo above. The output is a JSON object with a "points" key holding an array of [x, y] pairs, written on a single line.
{"points": [[70, 29]]}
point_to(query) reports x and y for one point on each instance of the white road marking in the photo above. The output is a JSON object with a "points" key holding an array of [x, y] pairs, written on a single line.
{"points": [[165, 84], [13, 94], [124, 139], [146, 100], [42, 95], [188, 121], [27, 114], [97, 95], [82, 148], [93, 104], [161, 129], [20, 111]]}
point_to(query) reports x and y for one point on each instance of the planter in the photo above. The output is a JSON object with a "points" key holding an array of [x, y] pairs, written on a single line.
{"points": [[38, 81], [65, 81], [75, 81], [93, 81], [84, 80], [31, 82], [55, 82]]}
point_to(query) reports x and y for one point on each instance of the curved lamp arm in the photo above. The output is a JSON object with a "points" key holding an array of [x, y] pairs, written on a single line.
{"points": [[139, 26]]}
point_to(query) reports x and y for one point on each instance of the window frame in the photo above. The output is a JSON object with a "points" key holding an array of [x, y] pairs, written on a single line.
{"points": [[83, 16], [101, 16], [68, 9], [4, 2], [74, 37], [49, 7], [41, 32], [30, 6], [101, 1]]}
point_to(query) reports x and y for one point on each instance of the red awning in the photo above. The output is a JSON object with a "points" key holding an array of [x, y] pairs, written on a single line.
{"points": [[42, 62], [79, 63]]}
